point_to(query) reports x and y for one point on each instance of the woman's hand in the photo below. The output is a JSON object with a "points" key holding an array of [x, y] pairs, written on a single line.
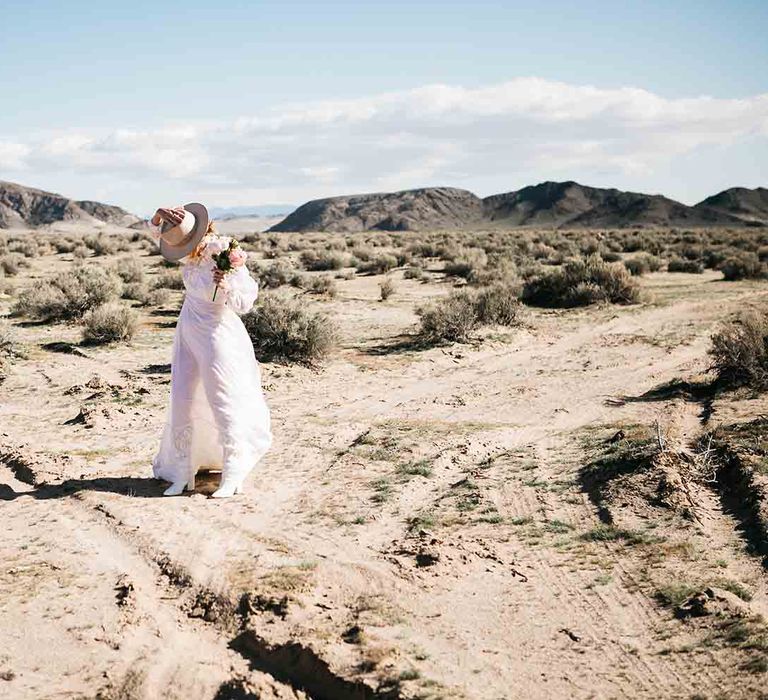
{"points": [[173, 215], [218, 276]]}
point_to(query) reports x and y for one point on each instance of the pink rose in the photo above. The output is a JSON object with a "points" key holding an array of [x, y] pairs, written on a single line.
{"points": [[237, 257]]}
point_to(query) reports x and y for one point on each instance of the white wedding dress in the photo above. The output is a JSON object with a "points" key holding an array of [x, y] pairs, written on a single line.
{"points": [[217, 416]]}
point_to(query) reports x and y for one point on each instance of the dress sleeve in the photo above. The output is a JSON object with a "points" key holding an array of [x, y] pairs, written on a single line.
{"points": [[241, 290]]}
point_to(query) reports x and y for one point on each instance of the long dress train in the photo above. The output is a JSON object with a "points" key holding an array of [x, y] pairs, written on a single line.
{"points": [[217, 415]]}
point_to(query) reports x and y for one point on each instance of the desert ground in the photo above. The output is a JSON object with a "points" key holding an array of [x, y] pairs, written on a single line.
{"points": [[569, 505]]}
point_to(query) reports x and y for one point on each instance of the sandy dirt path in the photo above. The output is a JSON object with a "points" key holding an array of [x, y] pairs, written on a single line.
{"points": [[415, 531]]}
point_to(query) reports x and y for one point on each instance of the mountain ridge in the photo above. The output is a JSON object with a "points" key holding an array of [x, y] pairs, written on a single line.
{"points": [[545, 205], [28, 207], [548, 204]]}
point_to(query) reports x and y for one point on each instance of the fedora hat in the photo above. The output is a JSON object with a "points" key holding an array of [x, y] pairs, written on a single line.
{"points": [[179, 241]]}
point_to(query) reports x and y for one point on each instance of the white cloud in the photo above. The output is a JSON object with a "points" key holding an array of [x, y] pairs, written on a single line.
{"points": [[13, 155], [512, 133]]}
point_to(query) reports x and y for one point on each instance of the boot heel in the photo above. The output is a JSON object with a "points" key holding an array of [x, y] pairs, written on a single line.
{"points": [[175, 489], [226, 490]]}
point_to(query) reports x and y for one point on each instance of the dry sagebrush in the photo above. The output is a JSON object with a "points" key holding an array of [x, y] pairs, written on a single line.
{"points": [[740, 351], [455, 317], [69, 295], [109, 323], [582, 282], [282, 329]]}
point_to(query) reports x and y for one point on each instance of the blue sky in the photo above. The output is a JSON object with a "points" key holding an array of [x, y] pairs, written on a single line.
{"points": [[265, 102]]}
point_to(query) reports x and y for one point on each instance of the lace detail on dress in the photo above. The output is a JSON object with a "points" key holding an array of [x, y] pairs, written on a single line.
{"points": [[182, 438]]}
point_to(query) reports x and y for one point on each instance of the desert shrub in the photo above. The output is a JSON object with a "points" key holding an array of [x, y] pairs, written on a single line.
{"points": [[644, 242], [130, 270], [386, 288], [26, 247], [322, 284], [10, 350], [80, 251], [589, 246], [743, 266], [147, 296], [420, 249], [610, 255], [465, 262], [542, 251], [275, 274], [156, 297], [109, 323], [582, 282], [641, 264], [150, 247], [362, 253], [64, 245], [170, 279], [681, 265], [714, 257], [451, 319], [11, 263], [336, 244], [135, 290], [403, 258], [739, 351], [69, 294], [101, 244], [454, 317], [498, 304], [378, 264], [413, 273], [501, 269], [282, 329], [320, 260], [691, 252]]}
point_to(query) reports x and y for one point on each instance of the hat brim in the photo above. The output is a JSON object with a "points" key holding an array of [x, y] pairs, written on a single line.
{"points": [[174, 253]]}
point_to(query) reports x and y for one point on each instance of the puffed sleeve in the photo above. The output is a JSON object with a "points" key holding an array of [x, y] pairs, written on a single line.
{"points": [[241, 289]]}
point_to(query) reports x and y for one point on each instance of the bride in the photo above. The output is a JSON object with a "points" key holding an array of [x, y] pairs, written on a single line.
{"points": [[217, 415]]}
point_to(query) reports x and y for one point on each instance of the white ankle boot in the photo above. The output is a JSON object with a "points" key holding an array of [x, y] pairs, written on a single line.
{"points": [[228, 487], [232, 474], [178, 487]]}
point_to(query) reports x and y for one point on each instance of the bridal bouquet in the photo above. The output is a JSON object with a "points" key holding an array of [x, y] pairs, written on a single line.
{"points": [[227, 259]]}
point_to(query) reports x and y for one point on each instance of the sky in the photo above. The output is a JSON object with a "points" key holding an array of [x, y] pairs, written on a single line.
{"points": [[143, 104]]}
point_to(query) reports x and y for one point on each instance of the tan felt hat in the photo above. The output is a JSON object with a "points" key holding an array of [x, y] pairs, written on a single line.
{"points": [[179, 241]]}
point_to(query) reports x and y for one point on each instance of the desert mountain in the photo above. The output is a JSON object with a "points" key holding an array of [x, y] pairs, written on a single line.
{"points": [[751, 205], [569, 204], [410, 210], [25, 207], [546, 205]]}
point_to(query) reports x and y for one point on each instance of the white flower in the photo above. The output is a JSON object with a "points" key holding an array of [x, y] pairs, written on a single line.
{"points": [[216, 245]]}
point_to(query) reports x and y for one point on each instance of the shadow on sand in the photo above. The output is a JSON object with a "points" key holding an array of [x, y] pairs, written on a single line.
{"points": [[703, 393], [400, 344], [206, 482]]}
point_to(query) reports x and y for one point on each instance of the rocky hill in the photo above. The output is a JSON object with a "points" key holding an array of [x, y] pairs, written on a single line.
{"points": [[410, 210], [751, 205], [546, 205], [569, 204], [26, 207]]}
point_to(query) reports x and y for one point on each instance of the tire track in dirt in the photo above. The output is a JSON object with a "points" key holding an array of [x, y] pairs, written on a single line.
{"points": [[493, 375], [129, 640]]}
